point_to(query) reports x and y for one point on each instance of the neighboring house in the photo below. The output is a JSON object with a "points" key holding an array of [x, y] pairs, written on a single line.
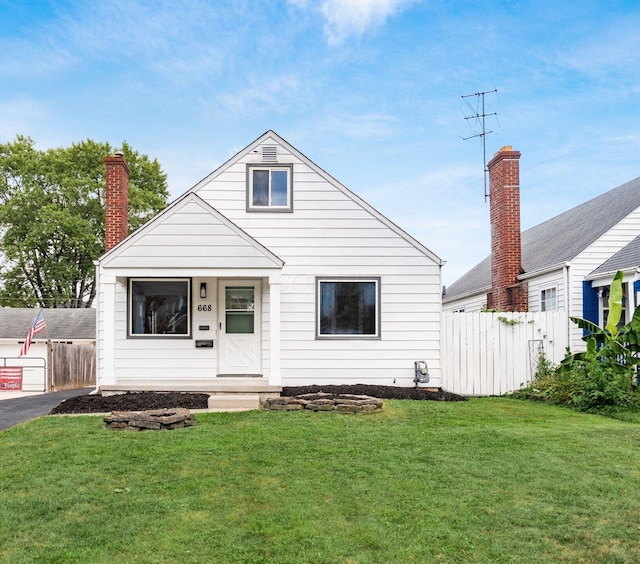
{"points": [[566, 263], [267, 273], [44, 370]]}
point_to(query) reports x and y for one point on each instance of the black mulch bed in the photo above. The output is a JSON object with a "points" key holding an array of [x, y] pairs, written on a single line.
{"points": [[382, 392], [141, 401], [131, 401]]}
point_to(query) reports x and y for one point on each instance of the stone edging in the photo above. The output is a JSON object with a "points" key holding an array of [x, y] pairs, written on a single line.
{"points": [[342, 403], [154, 419]]}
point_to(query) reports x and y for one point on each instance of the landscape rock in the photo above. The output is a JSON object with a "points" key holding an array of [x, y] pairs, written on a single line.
{"points": [[321, 401], [155, 419]]}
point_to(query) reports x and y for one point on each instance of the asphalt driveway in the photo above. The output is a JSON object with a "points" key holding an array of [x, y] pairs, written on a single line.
{"points": [[18, 410]]}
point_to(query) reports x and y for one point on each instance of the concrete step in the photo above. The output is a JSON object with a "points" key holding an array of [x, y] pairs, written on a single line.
{"points": [[234, 402]]}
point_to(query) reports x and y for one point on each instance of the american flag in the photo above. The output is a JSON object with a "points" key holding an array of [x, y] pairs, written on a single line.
{"points": [[37, 326]]}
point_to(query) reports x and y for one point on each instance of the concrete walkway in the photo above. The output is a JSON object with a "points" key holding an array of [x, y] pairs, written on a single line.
{"points": [[23, 406]]}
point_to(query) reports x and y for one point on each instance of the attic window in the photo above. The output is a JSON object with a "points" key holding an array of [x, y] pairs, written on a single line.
{"points": [[269, 154], [269, 188]]}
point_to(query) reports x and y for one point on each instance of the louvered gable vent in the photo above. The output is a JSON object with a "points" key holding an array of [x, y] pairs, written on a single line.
{"points": [[269, 154]]}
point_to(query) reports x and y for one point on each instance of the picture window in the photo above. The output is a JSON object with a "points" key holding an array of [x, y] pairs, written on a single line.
{"points": [[348, 308], [159, 307]]}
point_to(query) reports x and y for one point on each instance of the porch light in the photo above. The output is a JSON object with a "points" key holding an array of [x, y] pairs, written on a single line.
{"points": [[203, 290]]}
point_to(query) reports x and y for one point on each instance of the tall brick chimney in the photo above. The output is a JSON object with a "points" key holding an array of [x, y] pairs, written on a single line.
{"points": [[116, 213], [507, 294]]}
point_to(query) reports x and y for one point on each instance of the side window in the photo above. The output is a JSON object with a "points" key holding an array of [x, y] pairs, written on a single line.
{"points": [[548, 300], [604, 305], [348, 308], [269, 188], [159, 307]]}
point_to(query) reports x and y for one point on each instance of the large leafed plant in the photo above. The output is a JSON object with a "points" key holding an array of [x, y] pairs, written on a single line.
{"points": [[614, 345]]}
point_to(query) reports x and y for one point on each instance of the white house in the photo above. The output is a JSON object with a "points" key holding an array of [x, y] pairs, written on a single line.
{"points": [[566, 263], [267, 273]]}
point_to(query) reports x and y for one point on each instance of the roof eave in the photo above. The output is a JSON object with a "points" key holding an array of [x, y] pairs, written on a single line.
{"points": [[466, 295]]}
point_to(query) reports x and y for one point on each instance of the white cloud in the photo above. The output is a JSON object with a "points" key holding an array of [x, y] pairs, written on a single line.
{"points": [[278, 95], [355, 17], [612, 50]]}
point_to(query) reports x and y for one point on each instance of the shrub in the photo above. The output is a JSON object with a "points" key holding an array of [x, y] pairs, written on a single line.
{"points": [[600, 386], [587, 386]]}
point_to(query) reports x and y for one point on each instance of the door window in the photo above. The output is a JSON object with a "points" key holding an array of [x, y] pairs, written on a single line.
{"points": [[239, 309]]}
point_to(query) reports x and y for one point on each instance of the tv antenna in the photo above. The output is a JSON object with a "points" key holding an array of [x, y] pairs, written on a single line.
{"points": [[480, 116]]}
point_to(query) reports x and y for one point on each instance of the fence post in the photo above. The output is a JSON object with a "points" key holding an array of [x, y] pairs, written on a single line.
{"points": [[49, 384]]}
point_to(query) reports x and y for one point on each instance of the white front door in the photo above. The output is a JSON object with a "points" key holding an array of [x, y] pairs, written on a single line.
{"points": [[240, 338]]}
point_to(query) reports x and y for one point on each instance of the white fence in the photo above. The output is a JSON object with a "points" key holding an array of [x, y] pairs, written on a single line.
{"points": [[33, 375], [490, 354]]}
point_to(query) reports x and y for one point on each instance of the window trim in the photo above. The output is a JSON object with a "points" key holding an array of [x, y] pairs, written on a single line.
{"points": [[349, 336], [270, 166], [543, 301], [132, 335]]}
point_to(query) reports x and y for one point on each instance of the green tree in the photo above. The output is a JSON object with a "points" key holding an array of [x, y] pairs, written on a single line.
{"points": [[52, 218]]}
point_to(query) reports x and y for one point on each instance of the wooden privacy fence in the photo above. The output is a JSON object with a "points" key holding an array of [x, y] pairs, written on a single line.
{"points": [[490, 354], [72, 366]]}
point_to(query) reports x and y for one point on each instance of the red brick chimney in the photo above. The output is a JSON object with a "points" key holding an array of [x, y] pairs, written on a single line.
{"points": [[507, 294], [116, 213]]}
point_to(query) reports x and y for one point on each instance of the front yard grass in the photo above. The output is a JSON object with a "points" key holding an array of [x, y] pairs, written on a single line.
{"points": [[487, 480]]}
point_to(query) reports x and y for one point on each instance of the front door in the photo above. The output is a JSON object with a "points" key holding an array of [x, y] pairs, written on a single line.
{"points": [[240, 339]]}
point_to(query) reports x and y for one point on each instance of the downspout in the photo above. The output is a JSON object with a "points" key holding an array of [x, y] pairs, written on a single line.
{"points": [[97, 389], [567, 300]]}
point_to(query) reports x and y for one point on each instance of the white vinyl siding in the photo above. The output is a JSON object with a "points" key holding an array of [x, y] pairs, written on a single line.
{"points": [[331, 234], [539, 284], [167, 361], [592, 257], [473, 302], [192, 237]]}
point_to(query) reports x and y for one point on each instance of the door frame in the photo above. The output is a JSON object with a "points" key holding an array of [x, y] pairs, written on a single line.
{"points": [[224, 368]]}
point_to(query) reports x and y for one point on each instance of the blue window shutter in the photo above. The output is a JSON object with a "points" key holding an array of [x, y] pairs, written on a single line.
{"points": [[636, 286], [589, 303]]}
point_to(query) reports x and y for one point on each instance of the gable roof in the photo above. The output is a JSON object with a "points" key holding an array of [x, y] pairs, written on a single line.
{"points": [[209, 231], [626, 258], [62, 324], [272, 136], [559, 239]]}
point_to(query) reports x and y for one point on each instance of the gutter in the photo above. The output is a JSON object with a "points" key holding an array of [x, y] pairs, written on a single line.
{"points": [[448, 299], [541, 271]]}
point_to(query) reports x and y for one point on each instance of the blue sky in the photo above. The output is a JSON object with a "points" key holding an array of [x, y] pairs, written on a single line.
{"points": [[370, 90]]}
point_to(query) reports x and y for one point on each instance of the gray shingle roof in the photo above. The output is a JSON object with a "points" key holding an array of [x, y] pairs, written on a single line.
{"points": [[62, 324], [627, 257], [560, 239]]}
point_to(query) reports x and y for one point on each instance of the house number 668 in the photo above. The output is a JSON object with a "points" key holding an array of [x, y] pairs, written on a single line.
{"points": [[204, 307]]}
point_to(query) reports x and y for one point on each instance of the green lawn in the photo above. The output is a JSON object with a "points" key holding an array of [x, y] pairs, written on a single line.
{"points": [[488, 480]]}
